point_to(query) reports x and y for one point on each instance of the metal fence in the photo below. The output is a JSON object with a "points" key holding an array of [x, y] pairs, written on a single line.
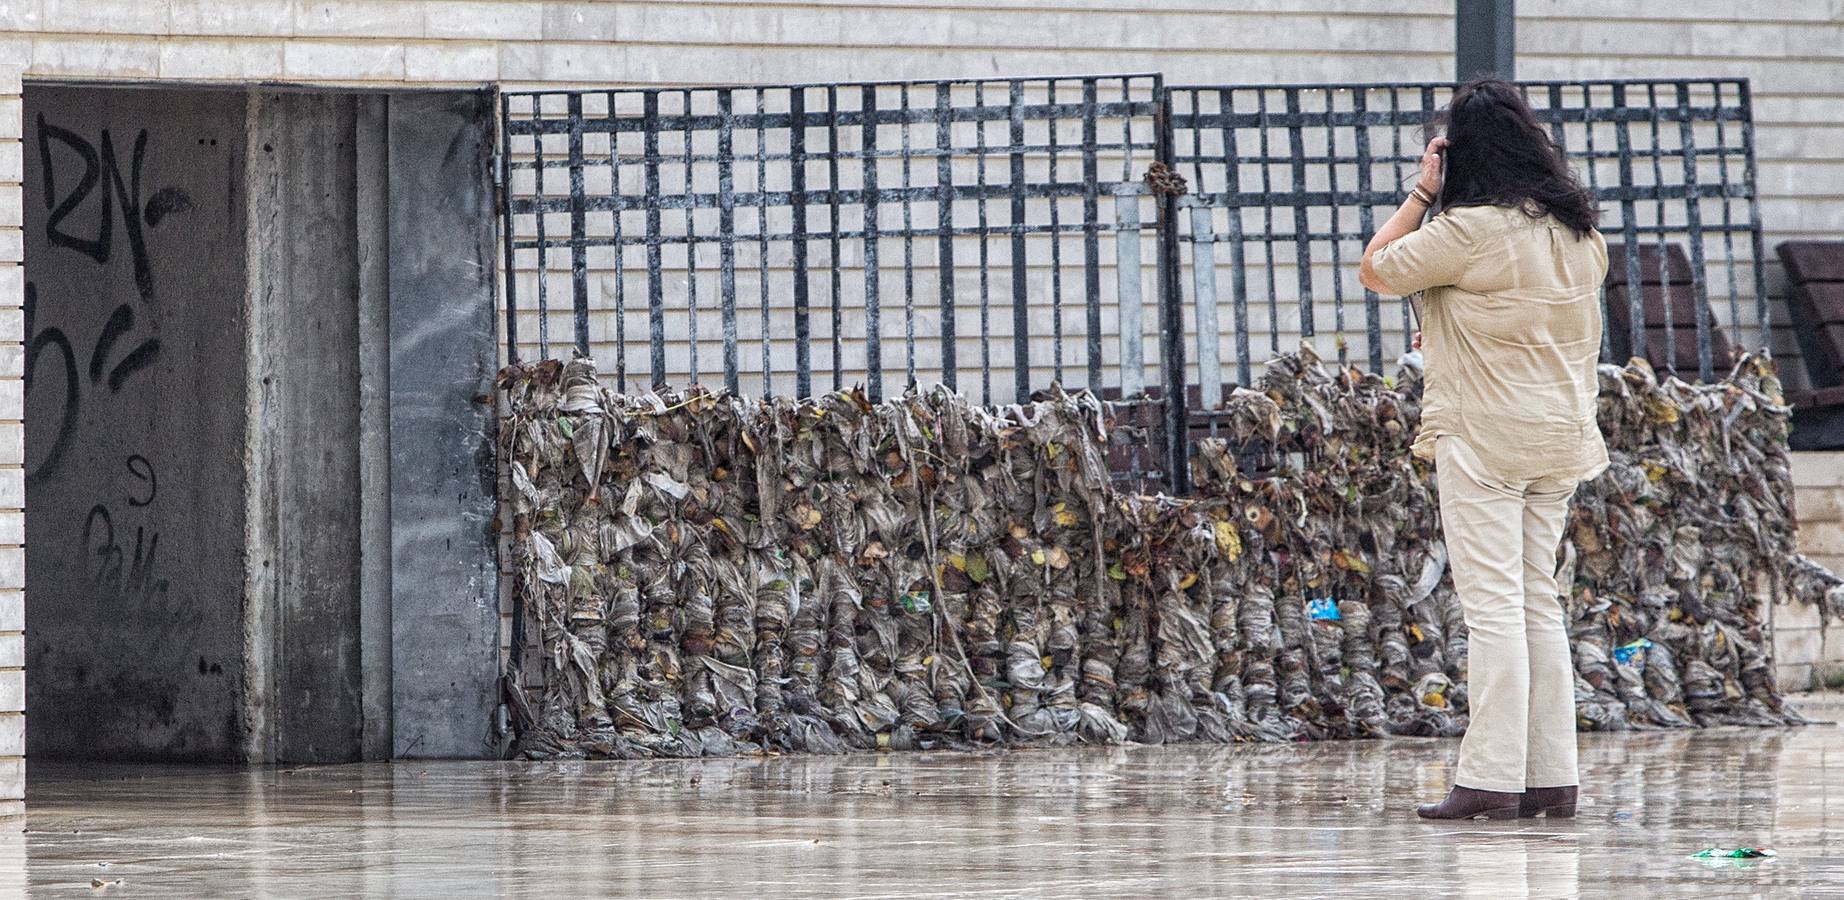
{"points": [[770, 233], [944, 230], [1290, 181]]}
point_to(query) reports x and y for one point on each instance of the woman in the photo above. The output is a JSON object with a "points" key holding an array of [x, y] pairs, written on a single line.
{"points": [[1509, 273]]}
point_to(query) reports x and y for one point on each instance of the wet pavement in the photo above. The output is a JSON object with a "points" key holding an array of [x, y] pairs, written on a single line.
{"points": [[1328, 819]]}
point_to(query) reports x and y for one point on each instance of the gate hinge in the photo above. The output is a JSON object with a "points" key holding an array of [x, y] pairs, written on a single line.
{"points": [[499, 184]]}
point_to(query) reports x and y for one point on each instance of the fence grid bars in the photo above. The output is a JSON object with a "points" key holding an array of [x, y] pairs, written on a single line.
{"points": [[824, 207], [1298, 176], [952, 231]]}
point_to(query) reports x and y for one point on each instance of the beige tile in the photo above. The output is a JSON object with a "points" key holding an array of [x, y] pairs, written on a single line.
{"points": [[343, 61], [451, 62], [359, 18], [13, 779], [242, 17], [486, 19], [244, 59], [1797, 646], [12, 734], [12, 572], [87, 56], [105, 16], [582, 22]]}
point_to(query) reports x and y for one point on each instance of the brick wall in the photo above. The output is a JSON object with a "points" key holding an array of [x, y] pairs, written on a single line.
{"points": [[1807, 654]]}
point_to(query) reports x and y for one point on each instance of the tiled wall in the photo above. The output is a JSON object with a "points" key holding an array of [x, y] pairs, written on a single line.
{"points": [[12, 453], [1807, 653]]}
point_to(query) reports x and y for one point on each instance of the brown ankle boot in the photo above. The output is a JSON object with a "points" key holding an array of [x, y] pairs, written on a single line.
{"points": [[1553, 802], [1466, 803]]}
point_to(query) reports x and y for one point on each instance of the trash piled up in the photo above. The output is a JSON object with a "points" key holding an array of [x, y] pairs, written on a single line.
{"points": [[706, 575]]}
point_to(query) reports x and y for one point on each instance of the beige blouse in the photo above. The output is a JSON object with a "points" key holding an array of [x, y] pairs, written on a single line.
{"points": [[1511, 336]]}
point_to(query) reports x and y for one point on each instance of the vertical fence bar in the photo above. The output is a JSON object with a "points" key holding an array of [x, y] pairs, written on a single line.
{"points": [[579, 251], [1749, 183], [656, 298], [1557, 132], [726, 231], [1091, 239], [1238, 271], [1267, 221], [1366, 221], [691, 242], [1666, 294], [506, 223], [544, 311], [1021, 316], [1056, 242], [1587, 104], [1203, 264], [1338, 264], [1728, 213], [762, 231], [1693, 224], [832, 205], [1629, 226], [614, 214], [944, 224], [1395, 165], [909, 246], [797, 203], [873, 320], [1171, 305], [985, 232], [1302, 229]]}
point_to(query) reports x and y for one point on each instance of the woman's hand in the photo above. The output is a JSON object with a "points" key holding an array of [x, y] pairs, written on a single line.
{"points": [[1417, 341], [1431, 166]]}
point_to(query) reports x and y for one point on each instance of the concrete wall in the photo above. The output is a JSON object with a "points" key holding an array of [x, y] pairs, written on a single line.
{"points": [[1809, 654], [304, 500], [265, 591], [445, 594], [134, 232]]}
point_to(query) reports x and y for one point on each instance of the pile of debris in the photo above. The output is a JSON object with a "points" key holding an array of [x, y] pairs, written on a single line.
{"points": [[700, 574]]}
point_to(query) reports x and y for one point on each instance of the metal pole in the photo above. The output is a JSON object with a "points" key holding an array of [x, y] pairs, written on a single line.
{"points": [[1485, 39], [1171, 314]]}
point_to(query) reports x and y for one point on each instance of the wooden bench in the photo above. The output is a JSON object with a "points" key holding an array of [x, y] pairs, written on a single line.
{"points": [[1815, 306], [1673, 349]]}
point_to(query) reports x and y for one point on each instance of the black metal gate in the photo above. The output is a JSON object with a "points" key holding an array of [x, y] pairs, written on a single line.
{"points": [[1298, 176], [775, 227], [791, 217]]}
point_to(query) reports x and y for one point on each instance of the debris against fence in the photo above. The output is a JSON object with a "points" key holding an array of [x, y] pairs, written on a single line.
{"points": [[699, 574]]}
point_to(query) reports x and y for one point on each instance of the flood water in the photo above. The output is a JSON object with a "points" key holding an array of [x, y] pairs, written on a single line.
{"points": [[1328, 819]]}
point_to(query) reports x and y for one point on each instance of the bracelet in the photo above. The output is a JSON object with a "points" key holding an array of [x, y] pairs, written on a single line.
{"points": [[1420, 195]]}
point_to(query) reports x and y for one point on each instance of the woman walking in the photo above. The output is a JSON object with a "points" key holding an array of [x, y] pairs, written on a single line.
{"points": [[1509, 272]]}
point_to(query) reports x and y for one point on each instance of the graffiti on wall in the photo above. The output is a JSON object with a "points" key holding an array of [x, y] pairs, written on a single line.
{"points": [[86, 188], [118, 347]]}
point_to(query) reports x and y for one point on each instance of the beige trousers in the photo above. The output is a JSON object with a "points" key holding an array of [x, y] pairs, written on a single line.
{"points": [[1501, 542]]}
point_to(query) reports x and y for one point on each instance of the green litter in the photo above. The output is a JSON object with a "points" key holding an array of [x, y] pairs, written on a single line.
{"points": [[1737, 853]]}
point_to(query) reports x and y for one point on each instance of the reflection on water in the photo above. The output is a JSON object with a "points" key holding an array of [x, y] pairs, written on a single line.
{"points": [[1330, 819]]}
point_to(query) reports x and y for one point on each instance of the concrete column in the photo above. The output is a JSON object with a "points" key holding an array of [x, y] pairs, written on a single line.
{"points": [[304, 538], [444, 585], [1485, 39]]}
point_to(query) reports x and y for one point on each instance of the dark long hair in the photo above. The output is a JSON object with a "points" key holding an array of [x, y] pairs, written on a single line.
{"points": [[1498, 155]]}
